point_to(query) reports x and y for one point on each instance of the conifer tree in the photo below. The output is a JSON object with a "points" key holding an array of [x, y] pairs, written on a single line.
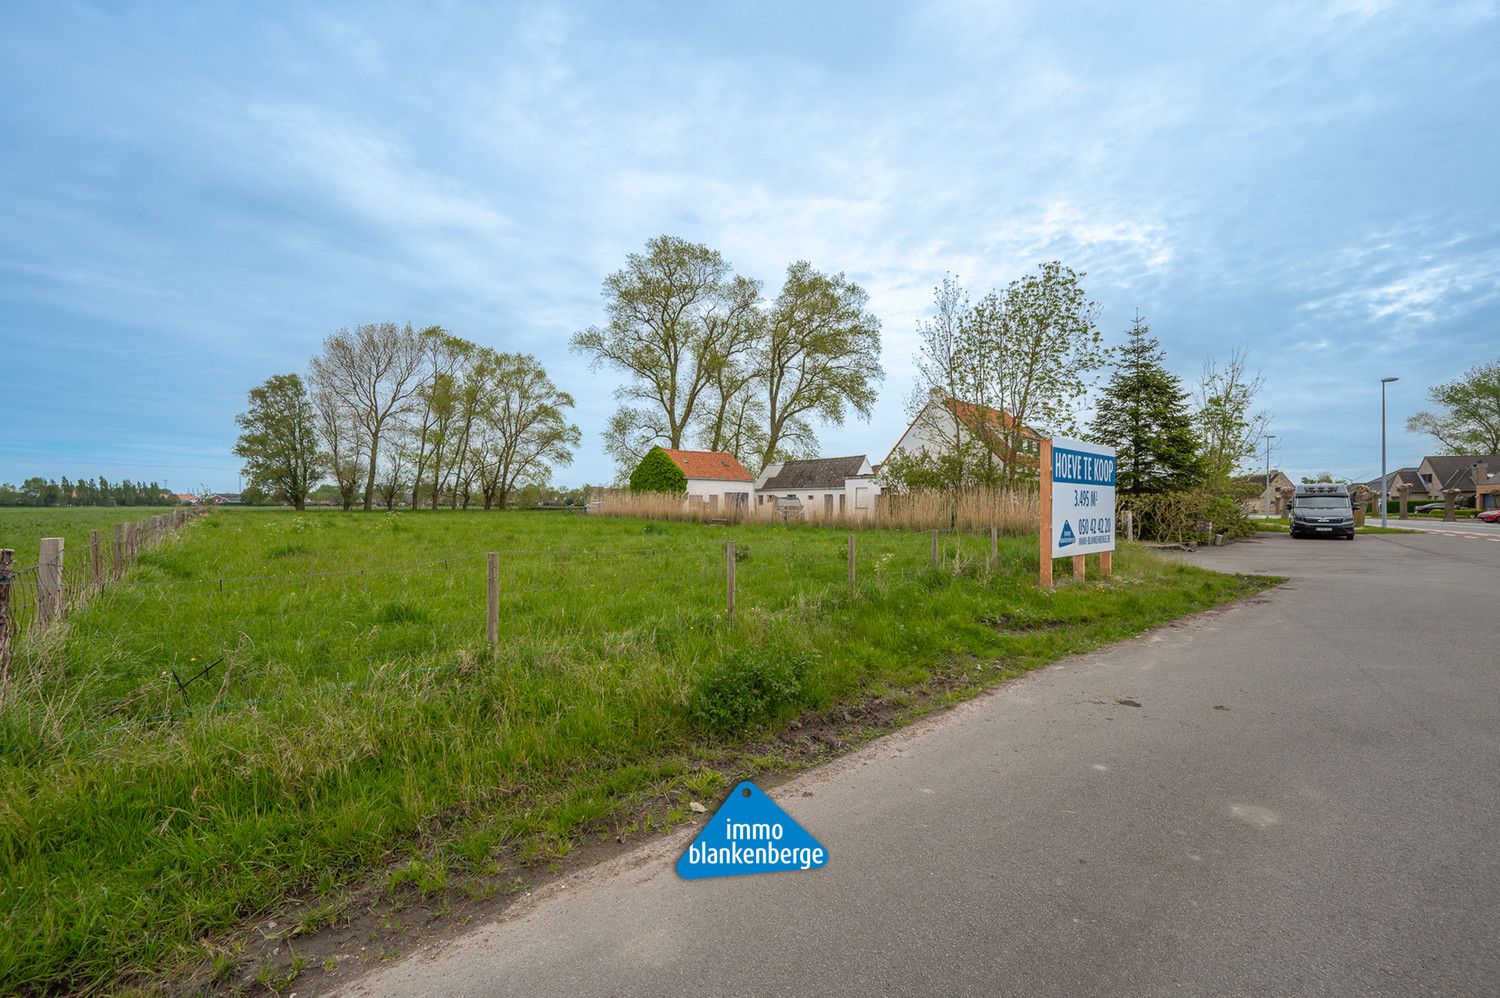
{"points": [[1144, 415]]}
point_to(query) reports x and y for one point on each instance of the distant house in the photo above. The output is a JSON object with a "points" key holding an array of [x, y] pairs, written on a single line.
{"points": [[820, 488], [944, 420], [1464, 472], [714, 478], [1253, 491], [1401, 476], [187, 498]]}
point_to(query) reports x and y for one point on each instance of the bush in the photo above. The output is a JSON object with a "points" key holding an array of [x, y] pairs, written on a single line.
{"points": [[748, 686], [658, 473], [1174, 516]]}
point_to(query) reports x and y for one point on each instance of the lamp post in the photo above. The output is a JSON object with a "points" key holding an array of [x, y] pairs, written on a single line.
{"points": [[1269, 438], [1385, 483]]}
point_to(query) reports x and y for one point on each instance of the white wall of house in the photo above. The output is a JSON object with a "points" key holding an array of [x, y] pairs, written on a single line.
{"points": [[855, 497], [718, 493]]}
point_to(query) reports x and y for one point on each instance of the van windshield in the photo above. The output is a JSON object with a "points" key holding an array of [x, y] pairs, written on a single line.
{"points": [[1322, 502]]}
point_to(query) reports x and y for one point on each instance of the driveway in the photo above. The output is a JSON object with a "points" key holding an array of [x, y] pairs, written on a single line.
{"points": [[1295, 795]]}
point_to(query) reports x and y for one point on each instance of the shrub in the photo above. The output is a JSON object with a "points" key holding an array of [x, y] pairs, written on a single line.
{"points": [[1174, 516], [748, 686], [658, 473]]}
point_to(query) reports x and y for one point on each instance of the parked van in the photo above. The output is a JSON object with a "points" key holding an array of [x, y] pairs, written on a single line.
{"points": [[1322, 510]]}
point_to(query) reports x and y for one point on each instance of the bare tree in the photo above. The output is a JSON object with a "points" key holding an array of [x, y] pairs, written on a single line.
{"points": [[341, 442], [374, 370]]}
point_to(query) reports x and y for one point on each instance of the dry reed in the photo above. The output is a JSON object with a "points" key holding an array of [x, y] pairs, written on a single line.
{"points": [[1011, 511]]}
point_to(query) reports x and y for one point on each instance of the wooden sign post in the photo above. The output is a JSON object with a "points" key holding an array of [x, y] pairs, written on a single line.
{"points": [[1046, 531]]}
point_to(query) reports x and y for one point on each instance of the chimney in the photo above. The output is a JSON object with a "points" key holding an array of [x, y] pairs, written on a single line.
{"points": [[1481, 473]]}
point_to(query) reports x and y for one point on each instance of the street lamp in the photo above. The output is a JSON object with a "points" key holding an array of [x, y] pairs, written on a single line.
{"points": [[1269, 438], [1385, 483]]}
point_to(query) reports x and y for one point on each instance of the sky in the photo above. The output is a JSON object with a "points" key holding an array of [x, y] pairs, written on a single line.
{"points": [[192, 196]]}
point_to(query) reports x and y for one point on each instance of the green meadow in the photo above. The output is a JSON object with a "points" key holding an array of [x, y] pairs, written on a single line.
{"points": [[275, 705]]}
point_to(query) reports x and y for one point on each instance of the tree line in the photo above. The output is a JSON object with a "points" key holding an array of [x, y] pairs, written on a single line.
{"points": [[398, 416], [84, 492]]}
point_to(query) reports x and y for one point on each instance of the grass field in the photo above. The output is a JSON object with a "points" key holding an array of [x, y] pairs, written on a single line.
{"points": [[21, 529], [353, 724]]}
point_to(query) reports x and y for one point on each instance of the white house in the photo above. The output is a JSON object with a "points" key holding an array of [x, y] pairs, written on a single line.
{"points": [[822, 488], [714, 478], [943, 420]]}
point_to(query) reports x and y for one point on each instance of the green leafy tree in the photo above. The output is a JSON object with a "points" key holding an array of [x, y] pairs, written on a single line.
{"points": [[658, 473], [1228, 428], [1467, 415], [279, 440], [820, 357], [1143, 414], [677, 316]]}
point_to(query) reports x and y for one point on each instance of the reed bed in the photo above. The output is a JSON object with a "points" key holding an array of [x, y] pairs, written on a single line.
{"points": [[1013, 512]]}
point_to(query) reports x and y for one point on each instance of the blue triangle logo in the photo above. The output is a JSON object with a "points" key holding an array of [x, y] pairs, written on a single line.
{"points": [[1066, 537], [750, 833]]}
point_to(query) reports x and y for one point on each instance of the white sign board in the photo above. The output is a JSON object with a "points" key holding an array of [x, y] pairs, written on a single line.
{"points": [[1083, 498]]}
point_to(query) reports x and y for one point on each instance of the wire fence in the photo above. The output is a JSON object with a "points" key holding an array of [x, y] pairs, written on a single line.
{"points": [[152, 651]]}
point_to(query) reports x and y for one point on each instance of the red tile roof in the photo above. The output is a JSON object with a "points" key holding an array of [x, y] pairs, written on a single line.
{"points": [[715, 464]]}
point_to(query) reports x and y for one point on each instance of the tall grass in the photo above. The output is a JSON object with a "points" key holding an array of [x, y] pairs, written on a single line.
{"points": [[349, 712], [1012, 512]]}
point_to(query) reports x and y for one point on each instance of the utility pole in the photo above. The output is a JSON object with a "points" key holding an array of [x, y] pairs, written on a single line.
{"points": [[1269, 438], [1385, 483]]}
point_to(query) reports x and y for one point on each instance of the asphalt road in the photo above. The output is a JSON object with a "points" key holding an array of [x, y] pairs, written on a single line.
{"points": [[1305, 802]]}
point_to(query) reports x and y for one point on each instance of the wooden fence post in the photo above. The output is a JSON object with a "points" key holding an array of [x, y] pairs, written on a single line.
{"points": [[1045, 532], [49, 565], [994, 544], [729, 577], [492, 606], [119, 566], [934, 548], [1130, 524], [7, 561], [96, 560], [851, 564]]}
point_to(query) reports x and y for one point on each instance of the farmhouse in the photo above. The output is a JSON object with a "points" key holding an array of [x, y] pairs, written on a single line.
{"points": [[943, 422], [714, 478], [818, 489]]}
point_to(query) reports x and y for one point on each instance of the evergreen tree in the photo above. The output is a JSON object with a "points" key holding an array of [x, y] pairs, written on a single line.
{"points": [[1144, 415]]}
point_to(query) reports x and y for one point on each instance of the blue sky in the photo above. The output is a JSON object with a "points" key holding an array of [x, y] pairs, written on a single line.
{"points": [[192, 196]]}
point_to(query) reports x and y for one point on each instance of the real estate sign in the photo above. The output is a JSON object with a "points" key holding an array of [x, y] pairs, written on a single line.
{"points": [[1082, 483]]}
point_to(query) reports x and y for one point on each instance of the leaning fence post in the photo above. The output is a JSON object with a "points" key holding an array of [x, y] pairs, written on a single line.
{"points": [[49, 564], [7, 560], [729, 578], [96, 559], [934, 548], [119, 566], [492, 604], [851, 564]]}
